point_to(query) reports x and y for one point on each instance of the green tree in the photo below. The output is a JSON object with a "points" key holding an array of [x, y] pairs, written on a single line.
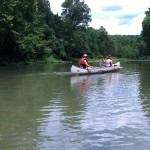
{"points": [[141, 47], [14, 17], [75, 13], [75, 16], [146, 30], [45, 11], [105, 43], [26, 30], [79, 43], [92, 36], [34, 42], [127, 46], [129, 52]]}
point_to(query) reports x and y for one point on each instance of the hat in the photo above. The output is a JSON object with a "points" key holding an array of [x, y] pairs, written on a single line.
{"points": [[85, 55]]}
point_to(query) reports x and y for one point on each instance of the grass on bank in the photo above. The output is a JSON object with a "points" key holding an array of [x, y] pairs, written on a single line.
{"points": [[51, 60], [48, 60]]}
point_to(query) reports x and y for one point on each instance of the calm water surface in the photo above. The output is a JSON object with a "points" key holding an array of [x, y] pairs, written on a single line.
{"points": [[43, 107]]}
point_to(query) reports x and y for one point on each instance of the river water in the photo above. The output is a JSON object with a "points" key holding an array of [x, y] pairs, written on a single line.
{"points": [[43, 107]]}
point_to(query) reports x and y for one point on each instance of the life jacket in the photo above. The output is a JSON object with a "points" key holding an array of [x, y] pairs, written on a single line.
{"points": [[81, 62]]}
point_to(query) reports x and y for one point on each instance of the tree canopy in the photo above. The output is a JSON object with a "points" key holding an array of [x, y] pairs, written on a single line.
{"points": [[75, 13], [146, 30], [29, 31]]}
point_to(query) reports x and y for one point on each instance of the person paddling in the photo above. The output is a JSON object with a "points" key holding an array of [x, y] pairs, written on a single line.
{"points": [[83, 63]]}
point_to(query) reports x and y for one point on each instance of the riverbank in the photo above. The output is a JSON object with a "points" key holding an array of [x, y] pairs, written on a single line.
{"points": [[52, 60], [49, 60]]}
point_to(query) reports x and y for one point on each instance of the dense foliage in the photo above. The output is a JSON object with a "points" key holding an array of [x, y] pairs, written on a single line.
{"points": [[30, 31], [146, 31]]}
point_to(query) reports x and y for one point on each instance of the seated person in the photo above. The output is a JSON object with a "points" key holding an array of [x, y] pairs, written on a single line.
{"points": [[102, 62], [108, 61], [83, 63]]}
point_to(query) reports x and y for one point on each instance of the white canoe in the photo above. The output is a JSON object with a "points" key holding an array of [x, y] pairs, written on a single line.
{"points": [[94, 70]]}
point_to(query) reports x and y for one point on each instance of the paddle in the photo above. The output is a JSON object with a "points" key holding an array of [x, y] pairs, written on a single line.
{"points": [[89, 68]]}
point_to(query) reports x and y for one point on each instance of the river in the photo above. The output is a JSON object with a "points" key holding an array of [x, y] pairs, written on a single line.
{"points": [[43, 107]]}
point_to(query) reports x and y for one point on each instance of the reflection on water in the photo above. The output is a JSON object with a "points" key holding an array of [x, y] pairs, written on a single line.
{"points": [[45, 108], [81, 83], [113, 117]]}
